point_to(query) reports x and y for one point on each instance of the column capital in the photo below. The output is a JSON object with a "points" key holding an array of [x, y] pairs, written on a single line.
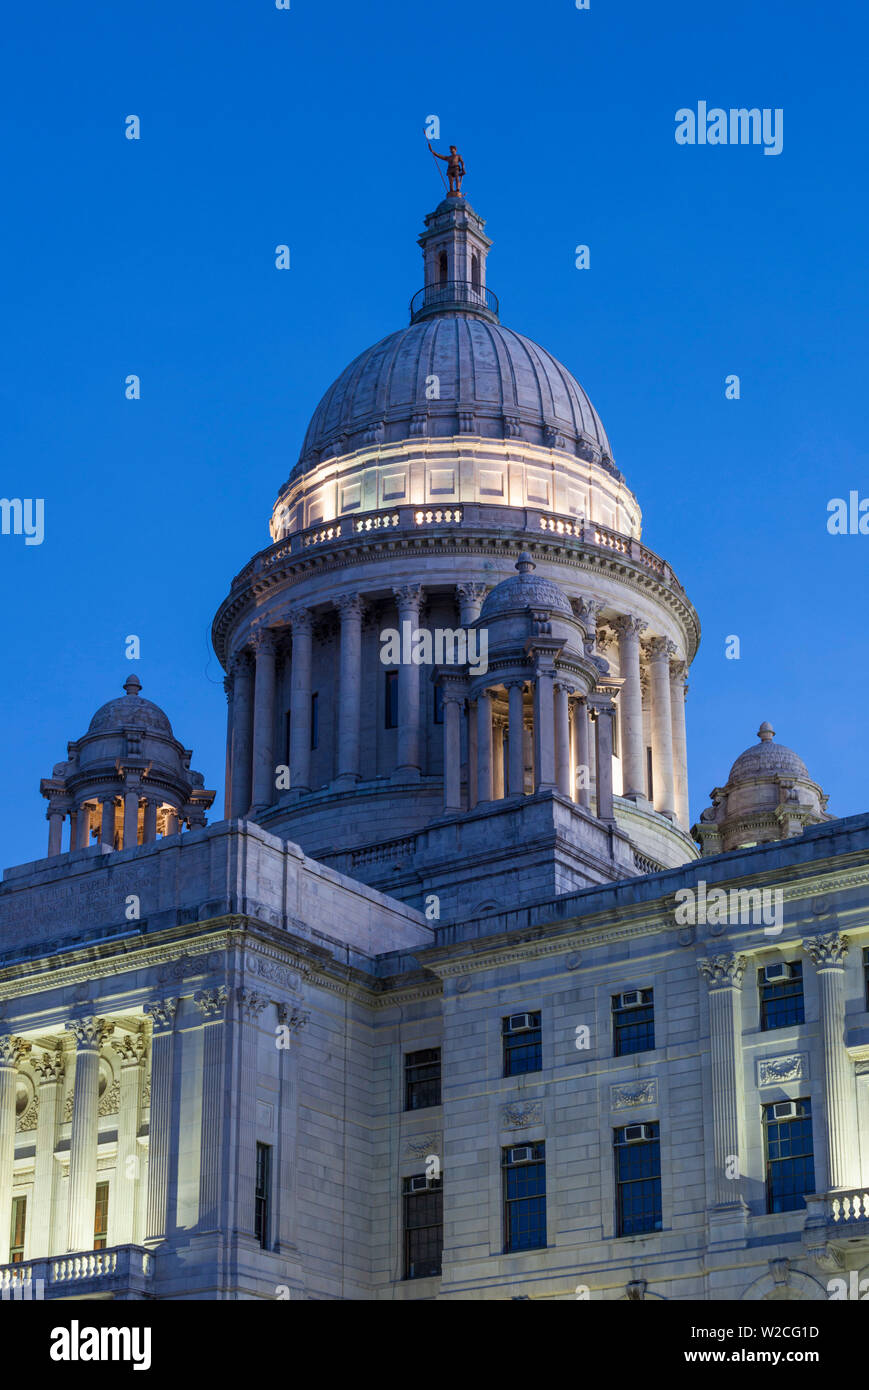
{"points": [[130, 1048], [678, 670], [410, 598], [660, 647], [350, 606], [239, 663], [827, 952], [211, 1003], [472, 592], [723, 972], [292, 1017], [564, 685], [12, 1049], [627, 625], [262, 639], [50, 1066], [162, 1014], [250, 1003], [300, 620], [90, 1033], [586, 611]]}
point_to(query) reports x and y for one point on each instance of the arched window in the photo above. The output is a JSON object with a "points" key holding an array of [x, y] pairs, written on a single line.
{"points": [[443, 268], [475, 271]]}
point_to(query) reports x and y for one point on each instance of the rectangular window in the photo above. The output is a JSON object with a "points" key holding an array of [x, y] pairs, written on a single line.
{"points": [[315, 720], [422, 1079], [288, 729], [638, 1179], [390, 710], [19, 1225], [781, 995], [262, 1213], [423, 1227], [649, 779], [524, 1176], [790, 1162], [438, 705], [615, 727], [101, 1216], [523, 1044], [866, 975], [633, 1022]]}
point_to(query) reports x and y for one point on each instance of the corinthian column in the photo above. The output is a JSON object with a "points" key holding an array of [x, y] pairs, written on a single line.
{"points": [[452, 702], [227, 787], [630, 629], [470, 598], [409, 598], [54, 816], [544, 728], [90, 1034], [241, 731], [351, 607], [485, 778], [263, 794], [581, 753], [302, 622], [723, 975], [122, 1216], [603, 710], [162, 1015], [11, 1051], [211, 1003], [678, 691], [660, 651], [50, 1066], [840, 1087], [516, 770], [562, 736]]}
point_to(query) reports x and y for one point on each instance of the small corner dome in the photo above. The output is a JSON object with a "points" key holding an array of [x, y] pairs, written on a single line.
{"points": [[768, 759], [525, 590], [130, 711]]}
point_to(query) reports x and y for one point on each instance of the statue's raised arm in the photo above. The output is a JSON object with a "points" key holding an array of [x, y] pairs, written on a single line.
{"points": [[455, 168]]}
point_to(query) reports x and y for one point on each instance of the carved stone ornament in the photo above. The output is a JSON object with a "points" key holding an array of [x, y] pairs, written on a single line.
{"points": [[723, 972], [521, 1115], [162, 1014], [211, 1002], [827, 952], [772, 1071], [250, 1003], [29, 1117], [110, 1100], [625, 1095], [419, 1145]]}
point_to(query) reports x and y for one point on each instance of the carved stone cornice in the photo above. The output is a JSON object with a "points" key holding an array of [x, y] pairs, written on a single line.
{"points": [[723, 972], [90, 1033], [162, 1014], [827, 952], [211, 1003]]}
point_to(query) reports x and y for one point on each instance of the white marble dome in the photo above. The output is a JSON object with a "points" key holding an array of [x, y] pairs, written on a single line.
{"points": [[492, 382]]}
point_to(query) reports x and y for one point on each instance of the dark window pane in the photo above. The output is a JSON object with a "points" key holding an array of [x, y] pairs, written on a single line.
{"points": [[315, 720], [391, 707], [524, 1199], [638, 1182], [781, 1001], [790, 1164], [422, 1079], [634, 1027], [423, 1227], [523, 1050]]}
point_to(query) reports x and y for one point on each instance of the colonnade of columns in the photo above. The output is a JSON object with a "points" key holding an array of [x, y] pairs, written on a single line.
{"points": [[251, 724], [122, 820], [724, 977]]}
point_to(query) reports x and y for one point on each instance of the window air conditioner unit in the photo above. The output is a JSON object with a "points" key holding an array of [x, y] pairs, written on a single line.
{"points": [[785, 1110], [635, 1133], [418, 1184], [780, 971], [631, 1000], [523, 1155], [520, 1023]]}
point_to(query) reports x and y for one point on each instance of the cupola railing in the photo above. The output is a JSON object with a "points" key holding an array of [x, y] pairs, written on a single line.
{"points": [[442, 296]]}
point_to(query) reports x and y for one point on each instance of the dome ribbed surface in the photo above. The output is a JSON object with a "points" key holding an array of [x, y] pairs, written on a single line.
{"points": [[492, 382], [767, 760], [130, 712], [523, 591]]}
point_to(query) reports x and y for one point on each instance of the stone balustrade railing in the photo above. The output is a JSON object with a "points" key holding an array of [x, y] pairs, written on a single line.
{"points": [[30, 1278], [412, 518]]}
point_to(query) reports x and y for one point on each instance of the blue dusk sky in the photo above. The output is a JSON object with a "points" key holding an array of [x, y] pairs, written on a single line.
{"points": [[261, 126]]}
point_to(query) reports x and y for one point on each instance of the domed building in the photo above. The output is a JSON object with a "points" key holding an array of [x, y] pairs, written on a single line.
{"points": [[769, 795], [438, 1011], [435, 459]]}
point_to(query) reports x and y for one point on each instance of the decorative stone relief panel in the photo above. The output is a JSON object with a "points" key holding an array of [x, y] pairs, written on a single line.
{"points": [[772, 1071], [626, 1094], [423, 1144], [522, 1115]]}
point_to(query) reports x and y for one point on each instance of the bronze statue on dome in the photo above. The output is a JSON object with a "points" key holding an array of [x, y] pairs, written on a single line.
{"points": [[455, 169]]}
